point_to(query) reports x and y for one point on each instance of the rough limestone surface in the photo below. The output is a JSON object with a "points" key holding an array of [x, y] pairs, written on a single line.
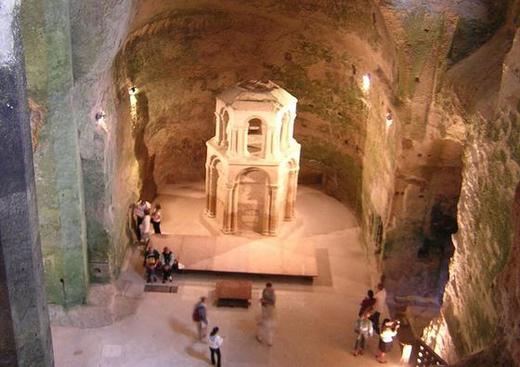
{"points": [[480, 308], [57, 162], [431, 144], [25, 339]]}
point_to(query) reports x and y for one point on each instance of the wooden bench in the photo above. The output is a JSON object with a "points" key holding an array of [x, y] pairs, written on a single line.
{"points": [[233, 293]]}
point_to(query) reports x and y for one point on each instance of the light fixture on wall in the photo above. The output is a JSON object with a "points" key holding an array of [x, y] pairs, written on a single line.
{"points": [[388, 119], [366, 83], [133, 90]]}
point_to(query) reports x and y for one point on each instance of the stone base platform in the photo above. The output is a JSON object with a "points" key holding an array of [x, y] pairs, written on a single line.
{"points": [[235, 254]]}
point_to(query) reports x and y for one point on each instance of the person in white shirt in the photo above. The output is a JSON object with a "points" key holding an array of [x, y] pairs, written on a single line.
{"points": [[145, 227], [215, 342], [386, 338], [379, 307], [138, 214]]}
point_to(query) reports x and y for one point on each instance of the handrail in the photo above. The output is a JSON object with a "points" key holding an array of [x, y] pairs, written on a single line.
{"points": [[424, 356]]}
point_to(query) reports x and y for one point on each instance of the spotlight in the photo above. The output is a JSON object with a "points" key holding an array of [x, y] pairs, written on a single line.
{"points": [[366, 83], [389, 120]]}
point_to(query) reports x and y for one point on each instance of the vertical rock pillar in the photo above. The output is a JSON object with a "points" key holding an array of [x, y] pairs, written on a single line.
{"points": [[59, 182], [25, 338]]}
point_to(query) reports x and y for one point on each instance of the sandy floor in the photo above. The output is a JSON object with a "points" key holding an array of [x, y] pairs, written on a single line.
{"points": [[314, 321]]}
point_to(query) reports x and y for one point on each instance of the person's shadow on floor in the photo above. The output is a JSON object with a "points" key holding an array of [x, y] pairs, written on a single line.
{"points": [[181, 328]]}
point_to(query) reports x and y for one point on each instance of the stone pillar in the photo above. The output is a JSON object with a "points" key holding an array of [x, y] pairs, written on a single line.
{"points": [[228, 221], [58, 167], [218, 128], [273, 210], [208, 189], [292, 186], [25, 337], [268, 143], [242, 141]]}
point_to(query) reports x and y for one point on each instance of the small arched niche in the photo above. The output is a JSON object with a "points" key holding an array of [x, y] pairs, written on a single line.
{"points": [[255, 137]]}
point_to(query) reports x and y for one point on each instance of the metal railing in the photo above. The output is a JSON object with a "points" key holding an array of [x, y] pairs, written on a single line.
{"points": [[423, 356]]}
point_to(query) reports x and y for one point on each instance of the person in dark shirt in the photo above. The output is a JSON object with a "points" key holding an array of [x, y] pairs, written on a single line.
{"points": [[368, 303]]}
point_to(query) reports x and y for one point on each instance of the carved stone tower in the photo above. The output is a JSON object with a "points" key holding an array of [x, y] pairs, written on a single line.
{"points": [[253, 160]]}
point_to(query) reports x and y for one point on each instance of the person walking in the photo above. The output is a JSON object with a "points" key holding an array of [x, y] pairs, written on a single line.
{"points": [[215, 342], [200, 317], [379, 306], [386, 339], [156, 218], [266, 324], [364, 330]]}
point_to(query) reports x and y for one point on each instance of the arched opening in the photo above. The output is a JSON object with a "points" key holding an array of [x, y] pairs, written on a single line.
{"points": [[253, 199], [255, 137]]}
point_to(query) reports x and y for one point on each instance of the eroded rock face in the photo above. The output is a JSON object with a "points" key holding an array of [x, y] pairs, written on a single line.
{"points": [[439, 122], [182, 59], [481, 300]]}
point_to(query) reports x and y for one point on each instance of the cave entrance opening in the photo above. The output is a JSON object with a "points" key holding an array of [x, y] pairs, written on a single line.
{"points": [[441, 222]]}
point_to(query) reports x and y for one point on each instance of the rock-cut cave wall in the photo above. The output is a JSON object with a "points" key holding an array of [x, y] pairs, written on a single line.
{"points": [[186, 55], [444, 73]]}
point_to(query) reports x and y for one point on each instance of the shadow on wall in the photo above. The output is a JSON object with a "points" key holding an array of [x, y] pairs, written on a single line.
{"points": [[145, 161]]}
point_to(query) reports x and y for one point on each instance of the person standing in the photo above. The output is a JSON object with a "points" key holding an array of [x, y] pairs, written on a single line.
{"points": [[145, 227], [386, 339], [379, 306], [367, 303], [215, 342], [266, 324], [200, 317], [156, 218], [364, 330], [167, 261], [151, 262], [139, 209]]}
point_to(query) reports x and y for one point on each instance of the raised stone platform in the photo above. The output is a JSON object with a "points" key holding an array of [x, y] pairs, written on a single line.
{"points": [[267, 255]]}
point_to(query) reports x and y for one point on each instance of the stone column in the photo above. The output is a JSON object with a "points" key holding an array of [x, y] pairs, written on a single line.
{"points": [[268, 143], [25, 337], [58, 167], [273, 210], [218, 128], [292, 186], [208, 189], [242, 141], [227, 227]]}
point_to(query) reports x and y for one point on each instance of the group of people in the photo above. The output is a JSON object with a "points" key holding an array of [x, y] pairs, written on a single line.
{"points": [[145, 218], [155, 263], [265, 326], [372, 307]]}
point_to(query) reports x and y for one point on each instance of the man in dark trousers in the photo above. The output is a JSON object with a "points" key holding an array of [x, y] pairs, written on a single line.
{"points": [[266, 324], [200, 317]]}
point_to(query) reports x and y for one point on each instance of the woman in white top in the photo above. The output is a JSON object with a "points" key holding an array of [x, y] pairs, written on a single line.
{"points": [[145, 227], [215, 342], [386, 338]]}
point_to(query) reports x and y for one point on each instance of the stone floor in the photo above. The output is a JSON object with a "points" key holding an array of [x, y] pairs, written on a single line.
{"points": [[314, 321]]}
